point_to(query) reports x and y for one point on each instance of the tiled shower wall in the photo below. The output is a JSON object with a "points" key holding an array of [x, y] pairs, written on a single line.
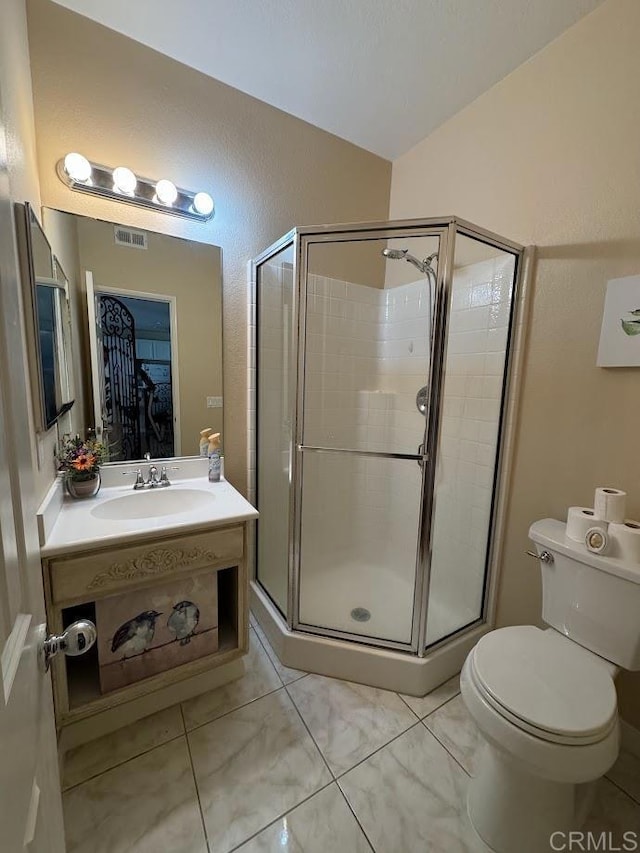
{"points": [[478, 335], [403, 365], [342, 331], [367, 356]]}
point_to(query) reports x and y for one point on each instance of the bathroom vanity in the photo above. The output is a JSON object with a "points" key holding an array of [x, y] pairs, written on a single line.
{"points": [[130, 555]]}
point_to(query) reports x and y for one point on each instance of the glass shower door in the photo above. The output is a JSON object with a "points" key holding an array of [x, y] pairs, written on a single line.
{"points": [[360, 482], [472, 410], [275, 401]]}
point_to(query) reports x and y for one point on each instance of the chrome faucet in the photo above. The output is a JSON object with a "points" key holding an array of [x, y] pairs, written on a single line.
{"points": [[153, 481]]}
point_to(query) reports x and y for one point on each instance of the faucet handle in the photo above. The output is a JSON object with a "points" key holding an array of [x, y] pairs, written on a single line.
{"points": [[139, 483], [164, 479]]}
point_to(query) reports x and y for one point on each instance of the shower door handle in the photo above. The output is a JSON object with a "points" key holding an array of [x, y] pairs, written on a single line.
{"points": [[421, 456], [375, 454]]}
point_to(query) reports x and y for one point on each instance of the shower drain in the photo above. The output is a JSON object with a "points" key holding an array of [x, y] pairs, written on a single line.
{"points": [[360, 614]]}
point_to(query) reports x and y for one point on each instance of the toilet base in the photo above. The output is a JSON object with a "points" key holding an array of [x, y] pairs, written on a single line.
{"points": [[511, 809]]}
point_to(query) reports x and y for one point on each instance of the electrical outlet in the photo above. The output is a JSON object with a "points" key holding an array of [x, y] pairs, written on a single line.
{"points": [[214, 402]]}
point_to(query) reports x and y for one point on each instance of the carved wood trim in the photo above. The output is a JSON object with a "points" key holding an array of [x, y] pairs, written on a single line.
{"points": [[157, 561], [87, 576]]}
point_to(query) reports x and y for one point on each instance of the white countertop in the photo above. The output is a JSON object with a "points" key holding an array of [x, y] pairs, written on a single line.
{"points": [[77, 528]]}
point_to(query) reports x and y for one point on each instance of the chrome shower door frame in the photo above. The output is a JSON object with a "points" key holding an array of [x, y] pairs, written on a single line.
{"points": [[446, 229], [441, 230], [460, 227], [291, 238]]}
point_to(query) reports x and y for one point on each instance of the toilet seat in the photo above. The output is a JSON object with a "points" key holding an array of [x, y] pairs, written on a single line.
{"points": [[545, 685]]}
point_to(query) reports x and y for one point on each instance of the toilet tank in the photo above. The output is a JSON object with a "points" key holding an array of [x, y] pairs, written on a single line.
{"points": [[592, 599]]}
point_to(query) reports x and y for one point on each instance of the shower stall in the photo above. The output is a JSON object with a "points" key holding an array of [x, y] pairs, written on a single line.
{"points": [[382, 385]]}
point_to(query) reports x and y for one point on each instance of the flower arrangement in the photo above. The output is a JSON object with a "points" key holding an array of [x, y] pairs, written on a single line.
{"points": [[81, 459]]}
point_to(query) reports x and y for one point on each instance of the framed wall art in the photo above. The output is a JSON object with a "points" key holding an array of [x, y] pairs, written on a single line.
{"points": [[620, 334]]}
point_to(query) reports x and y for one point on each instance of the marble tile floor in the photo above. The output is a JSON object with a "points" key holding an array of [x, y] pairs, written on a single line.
{"points": [[282, 760]]}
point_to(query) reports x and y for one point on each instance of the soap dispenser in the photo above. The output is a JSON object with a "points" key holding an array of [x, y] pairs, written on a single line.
{"points": [[214, 458], [204, 441]]}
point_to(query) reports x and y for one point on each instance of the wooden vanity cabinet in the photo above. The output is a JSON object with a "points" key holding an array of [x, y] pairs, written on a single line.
{"points": [[75, 582]]}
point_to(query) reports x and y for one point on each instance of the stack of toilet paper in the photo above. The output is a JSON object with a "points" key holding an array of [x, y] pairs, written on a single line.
{"points": [[603, 528]]}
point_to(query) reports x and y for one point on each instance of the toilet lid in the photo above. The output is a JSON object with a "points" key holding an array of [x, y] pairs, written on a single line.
{"points": [[546, 681]]}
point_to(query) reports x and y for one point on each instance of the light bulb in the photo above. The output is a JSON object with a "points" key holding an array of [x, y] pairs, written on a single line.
{"points": [[77, 167], [166, 192], [203, 204], [124, 180]]}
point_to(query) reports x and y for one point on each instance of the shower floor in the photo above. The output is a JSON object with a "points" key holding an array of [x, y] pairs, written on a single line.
{"points": [[329, 594]]}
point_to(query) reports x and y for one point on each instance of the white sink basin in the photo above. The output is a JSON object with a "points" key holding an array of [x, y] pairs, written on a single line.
{"points": [[152, 504]]}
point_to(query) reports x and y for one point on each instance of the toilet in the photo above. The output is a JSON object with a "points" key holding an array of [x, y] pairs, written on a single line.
{"points": [[544, 699]]}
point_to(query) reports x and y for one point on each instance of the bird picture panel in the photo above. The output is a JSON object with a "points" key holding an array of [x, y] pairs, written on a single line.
{"points": [[151, 630]]}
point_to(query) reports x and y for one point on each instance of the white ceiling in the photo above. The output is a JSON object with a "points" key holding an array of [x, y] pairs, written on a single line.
{"points": [[381, 73]]}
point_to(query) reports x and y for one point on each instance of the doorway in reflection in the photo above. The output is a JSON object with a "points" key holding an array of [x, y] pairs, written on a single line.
{"points": [[136, 387]]}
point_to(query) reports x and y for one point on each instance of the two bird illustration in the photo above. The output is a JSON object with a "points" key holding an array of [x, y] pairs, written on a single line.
{"points": [[135, 636]]}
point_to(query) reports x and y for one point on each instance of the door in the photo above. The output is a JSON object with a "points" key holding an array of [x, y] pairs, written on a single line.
{"points": [[97, 364], [465, 489], [30, 806], [274, 286], [367, 307], [132, 338], [120, 384]]}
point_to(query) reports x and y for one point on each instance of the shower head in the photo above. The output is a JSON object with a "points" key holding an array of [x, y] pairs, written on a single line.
{"points": [[395, 254], [403, 255]]}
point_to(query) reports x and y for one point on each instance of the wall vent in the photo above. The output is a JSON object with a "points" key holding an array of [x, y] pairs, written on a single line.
{"points": [[129, 237]]}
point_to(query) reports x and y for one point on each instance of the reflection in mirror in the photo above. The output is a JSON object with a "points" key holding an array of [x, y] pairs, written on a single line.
{"points": [[48, 334], [147, 335]]}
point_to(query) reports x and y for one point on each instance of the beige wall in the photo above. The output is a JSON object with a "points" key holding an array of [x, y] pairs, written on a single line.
{"points": [[22, 170], [551, 156], [171, 267], [119, 102], [359, 262], [17, 104]]}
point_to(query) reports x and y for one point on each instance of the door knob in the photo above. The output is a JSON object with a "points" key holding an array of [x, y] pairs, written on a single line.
{"points": [[74, 640]]}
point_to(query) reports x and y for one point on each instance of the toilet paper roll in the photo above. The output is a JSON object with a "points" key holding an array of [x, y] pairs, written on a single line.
{"points": [[597, 540], [579, 520], [625, 539], [610, 504]]}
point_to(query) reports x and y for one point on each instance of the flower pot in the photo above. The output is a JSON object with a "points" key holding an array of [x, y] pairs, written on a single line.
{"points": [[80, 489]]}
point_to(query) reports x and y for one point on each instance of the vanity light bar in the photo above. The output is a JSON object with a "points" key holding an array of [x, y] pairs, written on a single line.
{"points": [[121, 184]]}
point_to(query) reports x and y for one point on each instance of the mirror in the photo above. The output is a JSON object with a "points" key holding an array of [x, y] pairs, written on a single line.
{"points": [[146, 348], [49, 334]]}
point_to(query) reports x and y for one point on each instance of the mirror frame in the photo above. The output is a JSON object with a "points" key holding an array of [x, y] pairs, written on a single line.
{"points": [[25, 217]]}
